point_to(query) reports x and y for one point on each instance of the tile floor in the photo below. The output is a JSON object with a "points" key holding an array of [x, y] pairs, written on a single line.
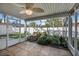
{"points": [[33, 49]]}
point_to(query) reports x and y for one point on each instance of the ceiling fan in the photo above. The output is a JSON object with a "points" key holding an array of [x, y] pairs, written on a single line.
{"points": [[29, 9]]}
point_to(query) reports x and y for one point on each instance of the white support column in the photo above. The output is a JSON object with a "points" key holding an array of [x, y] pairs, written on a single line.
{"points": [[26, 29], [29, 27], [75, 40], [66, 29], [20, 31], [47, 28], [69, 29], [53, 27], [40, 24], [63, 28], [7, 26]]}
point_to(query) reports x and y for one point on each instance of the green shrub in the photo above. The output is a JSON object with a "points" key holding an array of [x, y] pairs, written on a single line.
{"points": [[15, 36], [44, 40], [63, 41], [55, 39]]}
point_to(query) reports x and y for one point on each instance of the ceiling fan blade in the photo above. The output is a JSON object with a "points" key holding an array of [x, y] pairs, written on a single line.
{"points": [[29, 5], [40, 10], [22, 12]]}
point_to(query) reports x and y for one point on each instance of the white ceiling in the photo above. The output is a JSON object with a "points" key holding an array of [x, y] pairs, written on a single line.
{"points": [[49, 8]]}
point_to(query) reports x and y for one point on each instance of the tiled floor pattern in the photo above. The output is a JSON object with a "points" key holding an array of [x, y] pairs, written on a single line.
{"points": [[33, 49]]}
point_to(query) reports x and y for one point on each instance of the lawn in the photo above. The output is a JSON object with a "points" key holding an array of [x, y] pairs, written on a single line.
{"points": [[16, 35]]}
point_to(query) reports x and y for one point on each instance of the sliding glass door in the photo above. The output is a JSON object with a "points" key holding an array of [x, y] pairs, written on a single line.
{"points": [[13, 31]]}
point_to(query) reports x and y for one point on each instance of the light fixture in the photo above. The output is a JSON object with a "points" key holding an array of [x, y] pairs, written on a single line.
{"points": [[29, 12]]}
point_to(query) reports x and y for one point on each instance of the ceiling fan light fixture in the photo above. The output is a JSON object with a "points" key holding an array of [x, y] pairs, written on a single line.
{"points": [[29, 12]]}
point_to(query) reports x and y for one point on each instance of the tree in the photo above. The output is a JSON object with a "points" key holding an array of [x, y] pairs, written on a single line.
{"points": [[55, 22], [34, 25]]}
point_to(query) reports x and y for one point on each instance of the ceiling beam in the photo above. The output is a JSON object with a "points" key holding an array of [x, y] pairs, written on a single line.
{"points": [[76, 5], [62, 14]]}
